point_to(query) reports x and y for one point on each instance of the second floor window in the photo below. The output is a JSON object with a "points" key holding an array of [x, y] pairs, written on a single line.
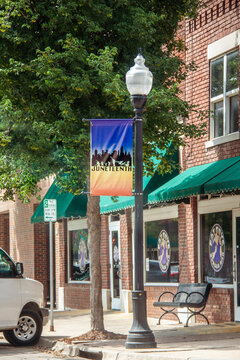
{"points": [[224, 94]]}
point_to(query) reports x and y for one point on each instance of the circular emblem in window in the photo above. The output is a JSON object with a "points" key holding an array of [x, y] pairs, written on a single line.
{"points": [[216, 247], [163, 251], [82, 254], [115, 253]]}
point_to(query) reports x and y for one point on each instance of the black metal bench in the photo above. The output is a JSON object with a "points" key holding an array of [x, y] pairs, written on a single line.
{"points": [[190, 296]]}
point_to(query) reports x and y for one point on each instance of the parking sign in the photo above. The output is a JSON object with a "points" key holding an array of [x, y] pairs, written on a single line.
{"points": [[50, 209]]}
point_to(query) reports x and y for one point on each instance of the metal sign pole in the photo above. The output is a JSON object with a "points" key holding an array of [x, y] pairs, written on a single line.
{"points": [[51, 275], [50, 215]]}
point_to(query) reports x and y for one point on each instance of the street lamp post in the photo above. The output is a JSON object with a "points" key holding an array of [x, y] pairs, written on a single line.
{"points": [[139, 83]]}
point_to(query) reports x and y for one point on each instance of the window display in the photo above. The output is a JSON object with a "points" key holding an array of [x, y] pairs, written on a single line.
{"points": [[79, 263], [162, 251], [216, 238]]}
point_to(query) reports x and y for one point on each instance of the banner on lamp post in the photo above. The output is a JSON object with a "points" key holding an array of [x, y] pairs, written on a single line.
{"points": [[111, 157]]}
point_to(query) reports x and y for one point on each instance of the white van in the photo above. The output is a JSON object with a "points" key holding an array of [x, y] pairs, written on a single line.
{"points": [[21, 314]]}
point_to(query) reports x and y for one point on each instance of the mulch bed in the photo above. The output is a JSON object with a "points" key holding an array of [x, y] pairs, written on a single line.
{"points": [[94, 335]]}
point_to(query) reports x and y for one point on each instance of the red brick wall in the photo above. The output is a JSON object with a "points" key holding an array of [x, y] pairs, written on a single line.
{"points": [[188, 255], [219, 307], [21, 231], [4, 232], [22, 236], [104, 252], [153, 293], [126, 249], [187, 245], [41, 256], [61, 252], [219, 19], [77, 296]]}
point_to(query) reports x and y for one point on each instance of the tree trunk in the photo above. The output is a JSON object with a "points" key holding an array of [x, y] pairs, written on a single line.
{"points": [[94, 235]]}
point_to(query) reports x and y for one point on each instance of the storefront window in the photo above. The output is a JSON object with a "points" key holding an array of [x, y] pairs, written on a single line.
{"points": [[79, 263], [162, 251], [216, 238]]}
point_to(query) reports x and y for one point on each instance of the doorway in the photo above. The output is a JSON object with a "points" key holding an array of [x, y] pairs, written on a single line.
{"points": [[115, 264], [236, 264]]}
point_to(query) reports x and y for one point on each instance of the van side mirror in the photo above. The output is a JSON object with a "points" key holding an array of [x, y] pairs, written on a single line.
{"points": [[19, 268]]}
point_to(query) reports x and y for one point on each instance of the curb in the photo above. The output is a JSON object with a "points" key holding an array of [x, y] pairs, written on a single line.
{"points": [[118, 352], [92, 353], [76, 350], [100, 354]]}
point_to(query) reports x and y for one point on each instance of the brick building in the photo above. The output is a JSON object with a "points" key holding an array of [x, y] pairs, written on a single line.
{"points": [[196, 213], [208, 189]]}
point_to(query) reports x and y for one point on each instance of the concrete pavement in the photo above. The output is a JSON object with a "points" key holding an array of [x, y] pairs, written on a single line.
{"points": [[221, 341]]}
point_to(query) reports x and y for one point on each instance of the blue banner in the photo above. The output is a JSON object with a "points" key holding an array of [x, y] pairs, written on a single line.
{"points": [[111, 157]]}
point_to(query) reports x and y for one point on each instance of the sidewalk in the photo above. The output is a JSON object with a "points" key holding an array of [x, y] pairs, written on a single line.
{"points": [[197, 342]]}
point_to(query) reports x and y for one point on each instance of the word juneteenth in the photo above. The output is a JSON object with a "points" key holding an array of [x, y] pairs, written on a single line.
{"points": [[111, 168]]}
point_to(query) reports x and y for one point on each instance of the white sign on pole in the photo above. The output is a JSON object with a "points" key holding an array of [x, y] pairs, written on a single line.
{"points": [[50, 209]]}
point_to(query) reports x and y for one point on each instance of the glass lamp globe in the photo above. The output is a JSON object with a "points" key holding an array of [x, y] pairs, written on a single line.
{"points": [[139, 79]]}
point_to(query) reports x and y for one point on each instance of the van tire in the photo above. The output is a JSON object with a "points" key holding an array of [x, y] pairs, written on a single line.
{"points": [[28, 330]]}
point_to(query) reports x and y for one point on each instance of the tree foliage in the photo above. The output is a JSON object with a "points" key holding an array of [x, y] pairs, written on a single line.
{"points": [[62, 61]]}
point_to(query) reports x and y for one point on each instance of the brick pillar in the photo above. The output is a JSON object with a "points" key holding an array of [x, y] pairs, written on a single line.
{"points": [[126, 249], [21, 233], [4, 232], [187, 245], [41, 256], [60, 261], [105, 263], [104, 252], [126, 260]]}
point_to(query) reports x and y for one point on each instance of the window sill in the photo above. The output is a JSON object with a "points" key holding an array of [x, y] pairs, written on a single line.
{"points": [[222, 140], [162, 284], [222, 286], [78, 282]]}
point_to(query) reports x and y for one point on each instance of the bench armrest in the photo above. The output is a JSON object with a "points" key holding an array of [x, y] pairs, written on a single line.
{"points": [[165, 292]]}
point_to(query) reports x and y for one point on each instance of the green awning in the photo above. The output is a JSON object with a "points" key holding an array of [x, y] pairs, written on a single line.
{"points": [[191, 182], [228, 180], [68, 205], [109, 204]]}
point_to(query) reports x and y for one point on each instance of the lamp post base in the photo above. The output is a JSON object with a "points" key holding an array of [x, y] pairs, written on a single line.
{"points": [[140, 336]]}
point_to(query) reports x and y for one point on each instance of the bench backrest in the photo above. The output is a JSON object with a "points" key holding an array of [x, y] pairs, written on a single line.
{"points": [[195, 298]]}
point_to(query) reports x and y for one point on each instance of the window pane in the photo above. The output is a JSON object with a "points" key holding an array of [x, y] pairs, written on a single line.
{"points": [[216, 239], [217, 77], [7, 268], [218, 119], [233, 114], [79, 255], [162, 251], [232, 71]]}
